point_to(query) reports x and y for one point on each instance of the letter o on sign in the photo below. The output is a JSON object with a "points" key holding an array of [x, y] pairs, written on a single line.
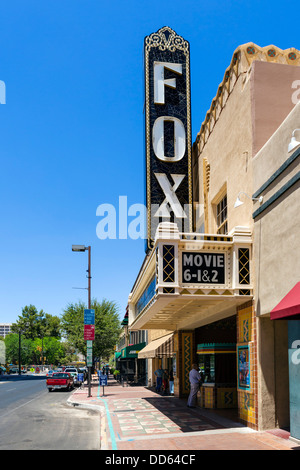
{"points": [[158, 139], [198, 260]]}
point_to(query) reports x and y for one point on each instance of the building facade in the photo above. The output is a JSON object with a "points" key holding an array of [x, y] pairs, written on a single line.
{"points": [[130, 367], [198, 291], [276, 171], [5, 329]]}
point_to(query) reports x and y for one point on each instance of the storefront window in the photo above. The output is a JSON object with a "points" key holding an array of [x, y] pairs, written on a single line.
{"points": [[147, 295], [207, 367]]}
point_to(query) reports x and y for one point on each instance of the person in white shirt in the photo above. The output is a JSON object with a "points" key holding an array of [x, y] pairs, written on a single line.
{"points": [[195, 379]]}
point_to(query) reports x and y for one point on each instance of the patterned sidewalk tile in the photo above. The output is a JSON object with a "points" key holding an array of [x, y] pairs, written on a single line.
{"points": [[157, 417]]}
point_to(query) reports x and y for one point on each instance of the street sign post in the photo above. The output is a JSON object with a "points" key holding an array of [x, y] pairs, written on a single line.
{"points": [[89, 332], [89, 317], [89, 314], [89, 337], [89, 357], [102, 380]]}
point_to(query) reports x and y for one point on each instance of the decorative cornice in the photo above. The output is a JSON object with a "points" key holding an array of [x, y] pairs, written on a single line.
{"points": [[241, 62], [166, 39]]}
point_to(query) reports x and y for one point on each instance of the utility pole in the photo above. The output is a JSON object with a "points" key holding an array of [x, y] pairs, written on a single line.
{"points": [[87, 248]]}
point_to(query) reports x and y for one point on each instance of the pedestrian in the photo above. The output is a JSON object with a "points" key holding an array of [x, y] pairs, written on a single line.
{"points": [[165, 380], [158, 374], [171, 382], [195, 380]]}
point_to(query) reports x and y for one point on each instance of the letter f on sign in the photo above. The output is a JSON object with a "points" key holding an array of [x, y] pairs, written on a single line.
{"points": [[160, 82]]}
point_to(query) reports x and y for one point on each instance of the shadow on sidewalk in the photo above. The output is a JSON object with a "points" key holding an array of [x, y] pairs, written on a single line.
{"points": [[169, 409]]}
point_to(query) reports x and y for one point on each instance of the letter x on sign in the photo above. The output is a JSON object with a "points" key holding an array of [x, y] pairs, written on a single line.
{"points": [[171, 198]]}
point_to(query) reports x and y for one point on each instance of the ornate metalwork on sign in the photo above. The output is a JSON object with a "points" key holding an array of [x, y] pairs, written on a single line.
{"points": [[244, 269], [168, 131], [244, 266], [168, 263]]}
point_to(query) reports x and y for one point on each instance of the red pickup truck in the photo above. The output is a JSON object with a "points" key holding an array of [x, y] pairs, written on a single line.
{"points": [[60, 380]]}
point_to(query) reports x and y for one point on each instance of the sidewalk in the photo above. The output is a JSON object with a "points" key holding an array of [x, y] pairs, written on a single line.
{"points": [[136, 418]]}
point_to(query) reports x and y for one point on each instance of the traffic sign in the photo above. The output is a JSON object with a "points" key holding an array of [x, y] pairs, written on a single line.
{"points": [[89, 332], [89, 316], [80, 377], [102, 380], [89, 362]]}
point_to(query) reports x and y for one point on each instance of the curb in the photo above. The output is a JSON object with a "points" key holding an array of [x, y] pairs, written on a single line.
{"points": [[101, 410]]}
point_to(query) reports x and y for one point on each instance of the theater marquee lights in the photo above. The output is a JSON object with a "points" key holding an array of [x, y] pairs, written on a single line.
{"points": [[168, 131]]}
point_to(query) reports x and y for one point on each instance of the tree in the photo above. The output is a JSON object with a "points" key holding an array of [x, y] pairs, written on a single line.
{"points": [[107, 326], [34, 324], [51, 349], [34, 350], [12, 349]]}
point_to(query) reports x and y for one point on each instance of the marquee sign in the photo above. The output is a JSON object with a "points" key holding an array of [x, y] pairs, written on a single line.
{"points": [[203, 268], [168, 131]]}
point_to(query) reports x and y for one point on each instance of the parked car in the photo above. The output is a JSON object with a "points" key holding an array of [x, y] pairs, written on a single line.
{"points": [[60, 380], [74, 372], [50, 373], [13, 370]]}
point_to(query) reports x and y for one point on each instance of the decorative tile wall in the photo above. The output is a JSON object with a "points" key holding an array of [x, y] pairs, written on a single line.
{"points": [[226, 398], [187, 359], [246, 336]]}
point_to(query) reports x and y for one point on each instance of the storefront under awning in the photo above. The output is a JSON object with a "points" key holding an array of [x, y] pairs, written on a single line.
{"points": [[131, 352], [161, 347], [289, 307]]}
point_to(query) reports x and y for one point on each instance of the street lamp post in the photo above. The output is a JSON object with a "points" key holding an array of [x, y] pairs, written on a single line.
{"points": [[20, 354], [20, 357], [81, 248]]}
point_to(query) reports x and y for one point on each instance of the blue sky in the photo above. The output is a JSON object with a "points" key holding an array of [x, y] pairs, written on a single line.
{"points": [[72, 129]]}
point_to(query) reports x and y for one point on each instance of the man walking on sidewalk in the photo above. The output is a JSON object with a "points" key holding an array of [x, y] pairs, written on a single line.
{"points": [[195, 379]]}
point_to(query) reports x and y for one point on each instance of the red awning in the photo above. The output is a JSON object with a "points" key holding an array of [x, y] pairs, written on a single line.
{"points": [[289, 306]]}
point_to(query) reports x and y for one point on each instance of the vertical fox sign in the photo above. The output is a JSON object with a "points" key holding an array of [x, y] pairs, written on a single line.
{"points": [[168, 131]]}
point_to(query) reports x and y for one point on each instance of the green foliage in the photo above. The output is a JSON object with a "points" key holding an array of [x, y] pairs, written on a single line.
{"points": [[41, 334], [107, 326], [34, 324], [40, 338], [34, 350]]}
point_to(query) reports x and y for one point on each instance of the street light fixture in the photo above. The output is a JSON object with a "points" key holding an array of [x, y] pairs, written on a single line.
{"points": [[238, 202], [82, 248], [293, 143], [79, 248]]}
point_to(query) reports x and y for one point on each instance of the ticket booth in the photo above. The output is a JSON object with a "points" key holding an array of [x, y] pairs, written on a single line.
{"points": [[217, 365]]}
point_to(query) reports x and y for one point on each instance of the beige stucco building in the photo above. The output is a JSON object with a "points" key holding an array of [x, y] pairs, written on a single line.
{"points": [[220, 317], [277, 256]]}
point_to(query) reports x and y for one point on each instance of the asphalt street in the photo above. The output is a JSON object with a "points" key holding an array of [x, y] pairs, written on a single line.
{"points": [[31, 418]]}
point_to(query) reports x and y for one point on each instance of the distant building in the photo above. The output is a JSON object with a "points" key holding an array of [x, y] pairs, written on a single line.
{"points": [[5, 329]]}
